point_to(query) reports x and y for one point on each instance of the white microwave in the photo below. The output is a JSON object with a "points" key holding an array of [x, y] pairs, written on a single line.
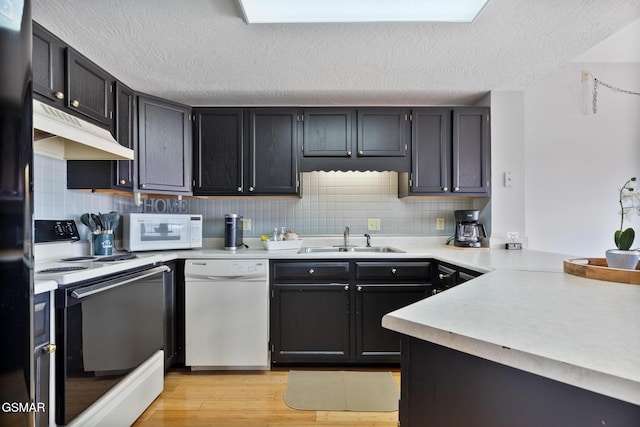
{"points": [[152, 232]]}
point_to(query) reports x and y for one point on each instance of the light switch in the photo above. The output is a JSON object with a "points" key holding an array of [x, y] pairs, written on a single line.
{"points": [[508, 179]]}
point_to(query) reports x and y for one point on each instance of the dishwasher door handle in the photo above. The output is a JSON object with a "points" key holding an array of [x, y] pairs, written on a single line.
{"points": [[235, 278]]}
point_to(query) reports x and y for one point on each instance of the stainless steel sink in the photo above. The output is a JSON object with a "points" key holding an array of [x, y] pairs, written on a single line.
{"points": [[338, 249]]}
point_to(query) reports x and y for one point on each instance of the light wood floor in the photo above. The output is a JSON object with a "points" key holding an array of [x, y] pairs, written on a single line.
{"points": [[252, 399]]}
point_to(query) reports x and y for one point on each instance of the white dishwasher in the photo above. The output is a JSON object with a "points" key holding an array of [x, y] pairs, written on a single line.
{"points": [[227, 314]]}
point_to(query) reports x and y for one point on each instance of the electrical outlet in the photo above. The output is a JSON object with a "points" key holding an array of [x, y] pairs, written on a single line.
{"points": [[513, 235], [373, 224], [440, 224], [246, 224]]}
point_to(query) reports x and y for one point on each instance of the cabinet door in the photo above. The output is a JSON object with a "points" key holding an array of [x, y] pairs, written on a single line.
{"points": [[273, 166], [471, 150], [382, 132], [373, 342], [431, 150], [164, 146], [90, 89], [48, 65], [310, 323], [109, 174], [125, 135], [327, 132], [218, 151]]}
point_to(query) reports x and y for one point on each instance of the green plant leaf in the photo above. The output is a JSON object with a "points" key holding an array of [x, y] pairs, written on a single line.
{"points": [[624, 239]]}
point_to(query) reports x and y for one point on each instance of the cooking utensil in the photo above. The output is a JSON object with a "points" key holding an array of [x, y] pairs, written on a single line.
{"points": [[114, 219], [98, 222], [86, 219]]}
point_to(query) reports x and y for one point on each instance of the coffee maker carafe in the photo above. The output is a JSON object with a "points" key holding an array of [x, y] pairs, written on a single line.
{"points": [[469, 232]]}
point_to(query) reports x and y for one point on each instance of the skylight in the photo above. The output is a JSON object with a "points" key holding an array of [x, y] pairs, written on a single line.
{"points": [[308, 11]]}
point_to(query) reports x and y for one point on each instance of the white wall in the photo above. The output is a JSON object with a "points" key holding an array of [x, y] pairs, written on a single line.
{"points": [[507, 155], [575, 162]]}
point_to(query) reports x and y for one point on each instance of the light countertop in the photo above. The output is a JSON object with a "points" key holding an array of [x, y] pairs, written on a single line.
{"points": [[524, 312]]}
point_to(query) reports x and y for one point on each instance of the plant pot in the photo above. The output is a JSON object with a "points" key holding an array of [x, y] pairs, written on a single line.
{"points": [[627, 260]]}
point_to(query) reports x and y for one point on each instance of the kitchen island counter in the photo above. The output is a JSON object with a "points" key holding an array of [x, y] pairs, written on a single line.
{"points": [[577, 331]]}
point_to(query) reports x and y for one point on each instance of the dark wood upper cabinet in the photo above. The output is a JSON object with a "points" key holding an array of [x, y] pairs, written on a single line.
{"points": [[48, 66], [125, 130], [245, 151], [273, 142], [450, 153], [362, 139], [69, 81], [218, 157], [382, 132], [328, 132], [470, 149], [90, 89], [110, 174], [164, 146], [431, 145]]}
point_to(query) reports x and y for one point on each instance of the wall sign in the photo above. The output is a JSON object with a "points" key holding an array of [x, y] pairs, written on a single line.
{"points": [[165, 206]]}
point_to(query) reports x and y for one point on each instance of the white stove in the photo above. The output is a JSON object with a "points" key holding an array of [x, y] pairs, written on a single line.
{"points": [[62, 257]]}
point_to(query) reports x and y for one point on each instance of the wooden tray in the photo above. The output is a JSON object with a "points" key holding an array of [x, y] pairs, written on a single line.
{"points": [[596, 268]]}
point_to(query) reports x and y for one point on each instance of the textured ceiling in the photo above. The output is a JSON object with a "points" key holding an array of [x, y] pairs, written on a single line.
{"points": [[200, 52]]}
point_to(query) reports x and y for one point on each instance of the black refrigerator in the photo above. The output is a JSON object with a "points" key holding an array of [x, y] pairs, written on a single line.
{"points": [[16, 215]]}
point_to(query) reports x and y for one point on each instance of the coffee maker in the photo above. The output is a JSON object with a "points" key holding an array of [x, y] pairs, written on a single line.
{"points": [[469, 232], [232, 232]]}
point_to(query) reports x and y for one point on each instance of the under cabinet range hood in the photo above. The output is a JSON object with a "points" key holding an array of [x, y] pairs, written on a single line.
{"points": [[61, 135]]}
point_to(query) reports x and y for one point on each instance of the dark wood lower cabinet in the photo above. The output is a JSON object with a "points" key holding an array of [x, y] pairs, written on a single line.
{"points": [[310, 323], [373, 342], [330, 312], [445, 387]]}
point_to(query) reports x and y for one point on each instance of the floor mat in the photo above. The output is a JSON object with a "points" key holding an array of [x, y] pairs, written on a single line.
{"points": [[342, 391]]}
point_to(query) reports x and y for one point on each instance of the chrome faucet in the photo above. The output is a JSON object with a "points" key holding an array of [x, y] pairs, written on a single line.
{"points": [[346, 236]]}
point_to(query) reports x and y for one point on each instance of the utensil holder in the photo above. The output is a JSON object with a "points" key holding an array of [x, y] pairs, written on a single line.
{"points": [[103, 244]]}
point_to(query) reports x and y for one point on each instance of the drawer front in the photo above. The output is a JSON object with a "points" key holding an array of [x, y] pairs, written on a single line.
{"points": [[310, 272], [399, 271]]}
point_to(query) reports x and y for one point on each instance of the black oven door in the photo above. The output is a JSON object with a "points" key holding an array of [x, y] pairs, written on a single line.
{"points": [[105, 329]]}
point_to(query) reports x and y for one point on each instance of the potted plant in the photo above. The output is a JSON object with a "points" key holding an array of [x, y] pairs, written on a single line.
{"points": [[623, 256]]}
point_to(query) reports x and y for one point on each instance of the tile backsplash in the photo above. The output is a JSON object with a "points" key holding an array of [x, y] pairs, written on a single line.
{"points": [[331, 201]]}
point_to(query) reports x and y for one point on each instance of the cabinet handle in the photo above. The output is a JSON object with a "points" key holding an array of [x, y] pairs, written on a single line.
{"points": [[346, 287], [75, 103], [394, 271], [349, 153], [445, 188], [240, 189], [311, 271], [58, 94], [123, 182], [49, 349], [443, 276], [360, 152], [359, 288], [250, 188], [143, 185], [456, 188]]}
